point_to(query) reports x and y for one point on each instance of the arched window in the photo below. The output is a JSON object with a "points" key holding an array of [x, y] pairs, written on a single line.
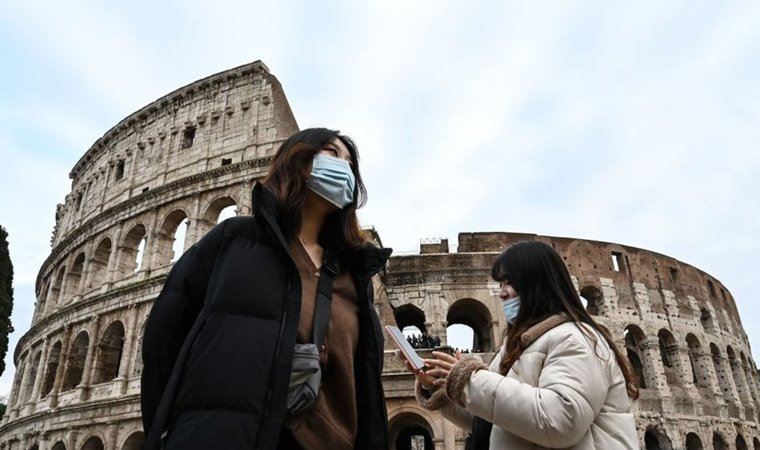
{"points": [[170, 240], [693, 442], [42, 298], [76, 359], [220, 209], [594, 299], [410, 431], [93, 443], [699, 370], [52, 367], [74, 279], [475, 315], [669, 355], [32, 377], [741, 444], [57, 288], [99, 264], [131, 252], [718, 442], [706, 320], [134, 441], [634, 338], [109, 353], [656, 439]]}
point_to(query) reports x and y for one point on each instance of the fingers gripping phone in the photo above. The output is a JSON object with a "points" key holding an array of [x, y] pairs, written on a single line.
{"points": [[406, 349]]}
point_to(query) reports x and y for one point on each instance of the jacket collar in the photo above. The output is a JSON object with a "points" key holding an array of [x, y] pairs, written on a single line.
{"points": [[364, 261], [537, 330]]}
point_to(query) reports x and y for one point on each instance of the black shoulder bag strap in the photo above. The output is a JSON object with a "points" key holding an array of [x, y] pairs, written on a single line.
{"points": [[324, 298]]}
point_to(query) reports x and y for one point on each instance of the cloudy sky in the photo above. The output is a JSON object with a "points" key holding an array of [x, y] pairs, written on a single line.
{"points": [[635, 123]]}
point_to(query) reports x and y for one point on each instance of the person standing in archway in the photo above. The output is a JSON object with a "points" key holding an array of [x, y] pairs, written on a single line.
{"points": [[558, 380], [264, 335]]}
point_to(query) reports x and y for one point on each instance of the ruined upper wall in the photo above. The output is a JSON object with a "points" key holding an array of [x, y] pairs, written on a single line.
{"points": [[221, 119], [587, 260]]}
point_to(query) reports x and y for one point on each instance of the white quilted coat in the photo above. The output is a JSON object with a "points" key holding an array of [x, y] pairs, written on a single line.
{"points": [[558, 394]]}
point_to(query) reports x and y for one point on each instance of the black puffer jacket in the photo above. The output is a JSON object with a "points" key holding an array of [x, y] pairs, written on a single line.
{"points": [[219, 340]]}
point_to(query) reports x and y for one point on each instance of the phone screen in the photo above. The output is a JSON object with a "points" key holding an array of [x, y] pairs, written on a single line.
{"points": [[401, 342]]}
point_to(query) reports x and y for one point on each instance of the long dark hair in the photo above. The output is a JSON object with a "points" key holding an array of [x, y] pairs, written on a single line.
{"points": [[542, 280], [287, 179]]}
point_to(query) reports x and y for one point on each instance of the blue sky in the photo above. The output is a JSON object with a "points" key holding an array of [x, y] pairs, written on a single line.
{"points": [[632, 123]]}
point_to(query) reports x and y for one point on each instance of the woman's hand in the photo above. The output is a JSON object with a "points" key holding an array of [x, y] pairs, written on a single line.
{"points": [[426, 380], [441, 366]]}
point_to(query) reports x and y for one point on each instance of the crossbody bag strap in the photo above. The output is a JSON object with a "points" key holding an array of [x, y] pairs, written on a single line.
{"points": [[324, 299]]}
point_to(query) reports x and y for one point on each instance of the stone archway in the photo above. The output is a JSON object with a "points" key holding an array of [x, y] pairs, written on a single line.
{"points": [[93, 443], [73, 279], [474, 314], [134, 441], [97, 271], [131, 252], [693, 442], [718, 442], [170, 239], [657, 439], [53, 361], [669, 355], [634, 340], [594, 299], [76, 360], [109, 353], [410, 431]]}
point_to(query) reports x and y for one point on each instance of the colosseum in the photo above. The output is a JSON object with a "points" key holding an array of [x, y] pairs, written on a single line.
{"points": [[166, 174]]}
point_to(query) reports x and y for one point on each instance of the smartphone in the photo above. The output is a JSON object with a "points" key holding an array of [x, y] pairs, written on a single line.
{"points": [[406, 349]]}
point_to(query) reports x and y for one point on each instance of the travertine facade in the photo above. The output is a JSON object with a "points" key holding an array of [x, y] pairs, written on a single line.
{"points": [[183, 159], [177, 162]]}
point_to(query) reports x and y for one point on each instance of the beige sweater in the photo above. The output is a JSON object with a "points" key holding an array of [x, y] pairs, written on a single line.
{"points": [[332, 422]]}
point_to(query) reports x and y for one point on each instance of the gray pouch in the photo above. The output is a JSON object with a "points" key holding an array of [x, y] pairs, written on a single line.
{"points": [[306, 373], [305, 378]]}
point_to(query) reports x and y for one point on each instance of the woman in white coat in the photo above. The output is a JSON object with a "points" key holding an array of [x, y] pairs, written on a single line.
{"points": [[558, 381]]}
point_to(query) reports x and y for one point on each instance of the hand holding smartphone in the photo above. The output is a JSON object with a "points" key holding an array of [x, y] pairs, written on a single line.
{"points": [[406, 349]]}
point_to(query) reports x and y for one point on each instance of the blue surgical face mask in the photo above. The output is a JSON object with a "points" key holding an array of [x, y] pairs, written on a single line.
{"points": [[332, 179], [511, 308]]}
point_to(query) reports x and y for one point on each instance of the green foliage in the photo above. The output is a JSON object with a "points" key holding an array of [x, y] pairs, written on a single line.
{"points": [[6, 297]]}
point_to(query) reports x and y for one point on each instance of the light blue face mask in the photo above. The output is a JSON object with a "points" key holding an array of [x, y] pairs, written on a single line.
{"points": [[511, 309], [332, 179]]}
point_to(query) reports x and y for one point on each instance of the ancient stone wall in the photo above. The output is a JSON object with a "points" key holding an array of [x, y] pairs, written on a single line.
{"points": [[178, 162]]}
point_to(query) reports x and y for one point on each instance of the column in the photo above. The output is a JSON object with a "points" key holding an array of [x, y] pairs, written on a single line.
{"points": [[111, 436], [653, 368], [127, 349], [244, 208], [88, 370], [742, 386], [114, 258], [192, 228]]}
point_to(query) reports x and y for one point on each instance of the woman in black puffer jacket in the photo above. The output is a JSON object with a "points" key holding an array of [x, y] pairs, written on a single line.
{"points": [[219, 340]]}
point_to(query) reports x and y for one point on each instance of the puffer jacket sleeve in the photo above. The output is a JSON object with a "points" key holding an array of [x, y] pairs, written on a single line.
{"points": [[436, 399], [171, 317], [572, 387]]}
